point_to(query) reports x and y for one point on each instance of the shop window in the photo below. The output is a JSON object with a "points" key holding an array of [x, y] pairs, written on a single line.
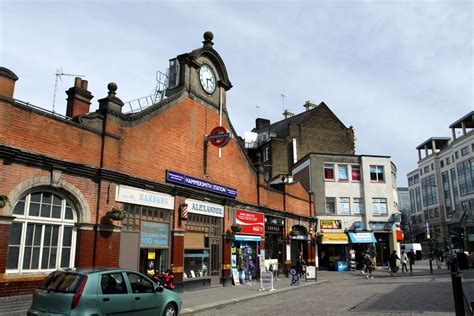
{"points": [[43, 234], [196, 263], [328, 171], [342, 173], [355, 173], [136, 213]]}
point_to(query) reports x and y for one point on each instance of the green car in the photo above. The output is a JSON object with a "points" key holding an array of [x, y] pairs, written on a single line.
{"points": [[103, 291]]}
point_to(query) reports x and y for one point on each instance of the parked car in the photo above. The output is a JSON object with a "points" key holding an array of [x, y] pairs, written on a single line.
{"points": [[103, 291]]}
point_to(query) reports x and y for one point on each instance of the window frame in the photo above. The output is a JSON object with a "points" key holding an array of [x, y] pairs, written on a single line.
{"points": [[343, 168], [356, 168], [25, 220], [375, 174], [328, 166], [346, 201]]}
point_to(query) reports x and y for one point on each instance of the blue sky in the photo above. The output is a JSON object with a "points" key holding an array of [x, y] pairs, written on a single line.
{"points": [[399, 72]]}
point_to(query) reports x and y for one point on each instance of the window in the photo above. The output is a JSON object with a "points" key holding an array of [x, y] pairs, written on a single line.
{"points": [[466, 177], [448, 161], [377, 174], [330, 205], [418, 199], [426, 169], [416, 178], [456, 155], [139, 284], [432, 166], [43, 235], [412, 201], [196, 263], [345, 206], [447, 194], [441, 163], [355, 173], [410, 181], [266, 154], [464, 151], [379, 206], [429, 190], [342, 174], [113, 283], [457, 204], [328, 171], [358, 206]]}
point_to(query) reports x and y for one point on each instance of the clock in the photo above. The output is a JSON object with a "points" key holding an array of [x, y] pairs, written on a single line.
{"points": [[207, 78]]}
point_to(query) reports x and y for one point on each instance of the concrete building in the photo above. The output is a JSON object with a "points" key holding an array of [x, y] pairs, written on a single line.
{"points": [[442, 189], [404, 207], [353, 194]]}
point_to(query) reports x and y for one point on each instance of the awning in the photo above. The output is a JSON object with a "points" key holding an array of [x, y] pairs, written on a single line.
{"points": [[247, 238], [334, 238], [362, 238]]}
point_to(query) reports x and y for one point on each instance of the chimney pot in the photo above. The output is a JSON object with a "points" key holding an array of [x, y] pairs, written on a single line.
{"points": [[7, 82], [79, 98], [309, 105], [84, 84], [77, 82]]}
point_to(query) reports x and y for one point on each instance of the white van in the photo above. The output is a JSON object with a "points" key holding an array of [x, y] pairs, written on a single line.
{"points": [[416, 247]]}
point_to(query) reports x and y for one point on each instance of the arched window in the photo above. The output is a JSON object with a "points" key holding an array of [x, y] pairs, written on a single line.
{"points": [[43, 235]]}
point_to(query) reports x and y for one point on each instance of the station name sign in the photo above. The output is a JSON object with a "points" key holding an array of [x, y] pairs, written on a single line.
{"points": [[175, 177]]}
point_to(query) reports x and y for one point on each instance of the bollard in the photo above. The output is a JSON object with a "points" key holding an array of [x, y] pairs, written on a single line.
{"points": [[411, 268], [431, 266], [458, 295]]}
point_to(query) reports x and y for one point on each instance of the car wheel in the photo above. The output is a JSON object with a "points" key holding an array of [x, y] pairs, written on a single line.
{"points": [[170, 310]]}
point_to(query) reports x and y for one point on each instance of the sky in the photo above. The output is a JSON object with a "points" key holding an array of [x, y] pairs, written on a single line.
{"points": [[399, 72]]}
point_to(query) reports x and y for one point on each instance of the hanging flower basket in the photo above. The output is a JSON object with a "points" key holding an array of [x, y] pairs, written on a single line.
{"points": [[4, 200], [319, 237], [236, 228], [116, 214]]}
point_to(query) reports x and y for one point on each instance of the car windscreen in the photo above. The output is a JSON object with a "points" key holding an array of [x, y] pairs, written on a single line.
{"points": [[61, 281]]}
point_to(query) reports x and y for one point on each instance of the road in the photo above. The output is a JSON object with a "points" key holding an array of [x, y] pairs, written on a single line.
{"points": [[352, 294]]}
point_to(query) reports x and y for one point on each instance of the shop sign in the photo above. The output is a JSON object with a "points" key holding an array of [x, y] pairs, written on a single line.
{"points": [[380, 225], [204, 208], [154, 235], [400, 235], [299, 237], [266, 281], [175, 177], [362, 238], [335, 238], [247, 238], [137, 196], [359, 225], [273, 229], [252, 222], [219, 136], [330, 224]]}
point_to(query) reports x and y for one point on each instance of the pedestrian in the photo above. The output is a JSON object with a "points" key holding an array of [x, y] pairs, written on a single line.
{"points": [[404, 261], [411, 256], [393, 261], [369, 267], [361, 259], [300, 264]]}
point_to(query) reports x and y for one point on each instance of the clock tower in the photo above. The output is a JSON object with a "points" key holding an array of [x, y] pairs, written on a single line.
{"points": [[201, 73]]}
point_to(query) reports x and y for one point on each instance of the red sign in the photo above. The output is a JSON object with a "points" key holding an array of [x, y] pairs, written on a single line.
{"points": [[400, 236], [219, 136], [252, 223]]}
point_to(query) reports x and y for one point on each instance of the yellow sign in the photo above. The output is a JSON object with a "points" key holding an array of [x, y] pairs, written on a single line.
{"points": [[330, 224], [335, 238], [151, 254]]}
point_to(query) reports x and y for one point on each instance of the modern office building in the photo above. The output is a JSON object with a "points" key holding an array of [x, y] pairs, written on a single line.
{"points": [[442, 189]]}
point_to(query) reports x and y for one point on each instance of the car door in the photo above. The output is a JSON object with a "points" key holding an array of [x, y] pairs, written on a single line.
{"points": [[113, 296], [146, 300]]}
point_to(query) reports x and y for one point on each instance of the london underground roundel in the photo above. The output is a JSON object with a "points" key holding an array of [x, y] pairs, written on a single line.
{"points": [[219, 136]]}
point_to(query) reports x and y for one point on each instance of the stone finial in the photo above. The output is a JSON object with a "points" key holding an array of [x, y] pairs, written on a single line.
{"points": [[111, 103], [112, 86], [208, 37]]}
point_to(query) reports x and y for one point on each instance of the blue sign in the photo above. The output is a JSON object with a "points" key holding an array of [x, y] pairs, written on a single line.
{"points": [[247, 238], [362, 238], [183, 179], [154, 235]]}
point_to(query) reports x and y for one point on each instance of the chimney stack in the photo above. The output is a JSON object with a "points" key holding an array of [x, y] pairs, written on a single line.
{"points": [[261, 123], [309, 105], [7, 82], [79, 98], [287, 114]]}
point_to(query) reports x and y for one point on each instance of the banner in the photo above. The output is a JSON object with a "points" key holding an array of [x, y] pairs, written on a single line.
{"points": [[252, 222]]}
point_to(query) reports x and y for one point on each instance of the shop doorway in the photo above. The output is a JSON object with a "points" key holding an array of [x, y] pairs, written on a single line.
{"points": [[153, 261]]}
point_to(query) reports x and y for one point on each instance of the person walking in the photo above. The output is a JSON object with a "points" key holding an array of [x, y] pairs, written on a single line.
{"points": [[369, 267], [393, 261], [404, 260], [300, 264]]}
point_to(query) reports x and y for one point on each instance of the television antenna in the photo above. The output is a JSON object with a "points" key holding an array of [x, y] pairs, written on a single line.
{"points": [[282, 101], [59, 74], [257, 110]]}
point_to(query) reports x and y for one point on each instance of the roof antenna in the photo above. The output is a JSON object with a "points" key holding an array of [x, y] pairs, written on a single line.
{"points": [[59, 73], [257, 110], [283, 101]]}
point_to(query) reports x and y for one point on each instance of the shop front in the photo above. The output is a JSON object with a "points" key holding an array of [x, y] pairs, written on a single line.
{"points": [[145, 238], [333, 245], [274, 239], [202, 243], [360, 243], [298, 243], [385, 238], [245, 245]]}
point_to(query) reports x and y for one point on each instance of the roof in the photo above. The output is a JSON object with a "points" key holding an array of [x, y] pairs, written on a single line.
{"points": [[439, 142], [280, 128], [468, 121]]}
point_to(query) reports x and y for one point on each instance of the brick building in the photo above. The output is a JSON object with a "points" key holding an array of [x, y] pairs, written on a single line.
{"points": [[147, 190]]}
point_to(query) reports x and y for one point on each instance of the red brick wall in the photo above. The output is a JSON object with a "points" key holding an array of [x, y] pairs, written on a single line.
{"points": [[4, 241], [107, 250], [178, 257], [19, 287]]}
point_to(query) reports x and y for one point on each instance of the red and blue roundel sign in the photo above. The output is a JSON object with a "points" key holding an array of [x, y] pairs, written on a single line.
{"points": [[219, 136]]}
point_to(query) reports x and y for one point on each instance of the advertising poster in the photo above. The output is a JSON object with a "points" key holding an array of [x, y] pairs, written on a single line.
{"points": [[253, 223]]}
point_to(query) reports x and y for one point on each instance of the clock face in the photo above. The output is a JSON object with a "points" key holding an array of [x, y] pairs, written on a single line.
{"points": [[207, 78]]}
